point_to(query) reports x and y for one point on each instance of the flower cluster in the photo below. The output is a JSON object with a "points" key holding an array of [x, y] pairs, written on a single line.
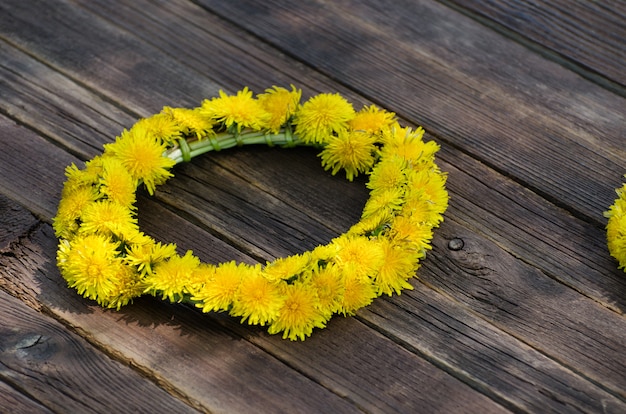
{"points": [[104, 255], [616, 227]]}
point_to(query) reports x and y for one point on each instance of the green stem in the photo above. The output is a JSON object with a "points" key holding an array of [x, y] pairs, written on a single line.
{"points": [[193, 147]]}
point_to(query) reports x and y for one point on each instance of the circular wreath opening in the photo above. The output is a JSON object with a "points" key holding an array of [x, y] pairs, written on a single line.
{"points": [[105, 256]]}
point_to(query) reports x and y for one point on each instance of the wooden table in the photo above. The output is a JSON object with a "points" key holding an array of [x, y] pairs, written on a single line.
{"points": [[523, 312]]}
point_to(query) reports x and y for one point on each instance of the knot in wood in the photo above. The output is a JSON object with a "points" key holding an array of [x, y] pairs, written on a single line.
{"points": [[456, 244]]}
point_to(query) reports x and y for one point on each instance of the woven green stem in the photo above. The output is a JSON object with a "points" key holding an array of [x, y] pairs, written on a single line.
{"points": [[192, 147]]}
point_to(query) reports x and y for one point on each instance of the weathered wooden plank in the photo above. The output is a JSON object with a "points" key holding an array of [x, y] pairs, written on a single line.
{"points": [[567, 249], [55, 105], [521, 301], [31, 168], [513, 110], [94, 53], [524, 378], [213, 368], [214, 47], [14, 221], [62, 372], [588, 34], [16, 402]]}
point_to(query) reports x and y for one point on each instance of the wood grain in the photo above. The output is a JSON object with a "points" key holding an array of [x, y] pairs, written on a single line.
{"points": [[17, 402], [599, 288], [514, 111], [62, 372], [588, 34], [526, 316], [223, 359], [518, 299], [58, 107]]}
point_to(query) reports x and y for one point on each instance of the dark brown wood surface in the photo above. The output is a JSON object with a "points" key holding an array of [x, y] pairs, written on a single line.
{"points": [[527, 101]]}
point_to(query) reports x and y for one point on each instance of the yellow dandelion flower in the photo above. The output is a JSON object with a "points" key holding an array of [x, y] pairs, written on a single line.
{"points": [[407, 143], [328, 284], [236, 111], [420, 210], [199, 278], [92, 266], [144, 253], [258, 300], [399, 265], [406, 230], [432, 184], [70, 209], [219, 292], [143, 157], [105, 217], [190, 121], [616, 228], [321, 116], [372, 119], [130, 286], [353, 151], [117, 184], [388, 174], [357, 294], [77, 178], [299, 313], [384, 202], [171, 278], [161, 127], [280, 104], [323, 253], [286, 268], [358, 256], [373, 223]]}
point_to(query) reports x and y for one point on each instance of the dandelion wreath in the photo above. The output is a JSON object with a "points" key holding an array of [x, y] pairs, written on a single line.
{"points": [[616, 227], [104, 255]]}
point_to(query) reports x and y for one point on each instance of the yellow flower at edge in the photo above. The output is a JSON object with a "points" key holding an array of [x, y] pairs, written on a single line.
{"points": [[258, 300], [106, 217], [358, 256], [398, 265], [190, 121], [143, 253], [285, 268], [71, 208], [142, 156], [372, 119], [280, 104], [353, 151], [161, 127], [220, 289], [299, 313], [388, 174], [171, 278], [239, 111], [321, 116], [357, 294], [328, 284], [91, 265], [117, 184], [616, 228]]}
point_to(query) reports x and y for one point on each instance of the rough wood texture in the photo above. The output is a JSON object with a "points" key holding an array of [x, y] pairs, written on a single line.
{"points": [[526, 315], [588, 34]]}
